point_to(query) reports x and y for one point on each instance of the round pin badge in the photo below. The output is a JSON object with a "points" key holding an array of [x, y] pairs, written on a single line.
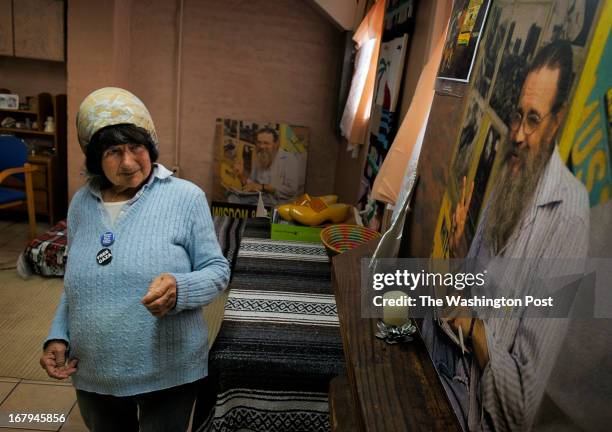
{"points": [[104, 257], [107, 239]]}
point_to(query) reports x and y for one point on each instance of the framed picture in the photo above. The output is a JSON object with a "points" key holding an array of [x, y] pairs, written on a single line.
{"points": [[464, 33], [516, 31], [10, 101], [258, 158]]}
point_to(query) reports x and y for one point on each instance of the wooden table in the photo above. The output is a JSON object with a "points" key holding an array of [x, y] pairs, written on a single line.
{"points": [[394, 387]]}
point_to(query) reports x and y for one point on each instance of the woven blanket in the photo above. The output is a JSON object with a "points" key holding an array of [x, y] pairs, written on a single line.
{"points": [[46, 254], [279, 344], [229, 231]]}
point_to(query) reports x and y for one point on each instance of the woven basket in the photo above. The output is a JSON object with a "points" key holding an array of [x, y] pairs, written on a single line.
{"points": [[343, 237]]}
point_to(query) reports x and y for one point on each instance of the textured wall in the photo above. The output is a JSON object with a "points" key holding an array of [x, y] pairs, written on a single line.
{"points": [[27, 77], [264, 60], [153, 65], [94, 60]]}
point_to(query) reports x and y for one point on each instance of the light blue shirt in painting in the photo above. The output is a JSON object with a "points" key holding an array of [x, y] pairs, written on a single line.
{"points": [[123, 349], [523, 351], [507, 393], [286, 175]]}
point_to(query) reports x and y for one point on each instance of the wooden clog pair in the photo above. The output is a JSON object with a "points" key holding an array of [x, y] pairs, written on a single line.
{"points": [[314, 211]]}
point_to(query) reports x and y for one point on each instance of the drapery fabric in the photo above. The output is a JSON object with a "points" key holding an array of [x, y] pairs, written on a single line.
{"points": [[355, 119], [388, 183]]}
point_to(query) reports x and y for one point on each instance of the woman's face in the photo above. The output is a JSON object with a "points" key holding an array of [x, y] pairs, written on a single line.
{"points": [[126, 165]]}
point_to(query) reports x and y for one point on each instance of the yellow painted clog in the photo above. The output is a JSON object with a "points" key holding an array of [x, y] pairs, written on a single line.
{"points": [[306, 215], [329, 199], [284, 210]]}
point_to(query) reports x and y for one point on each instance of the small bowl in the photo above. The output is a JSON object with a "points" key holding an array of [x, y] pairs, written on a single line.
{"points": [[340, 238]]}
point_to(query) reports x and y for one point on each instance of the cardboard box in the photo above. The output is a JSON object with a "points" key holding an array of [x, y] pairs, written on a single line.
{"points": [[290, 231]]}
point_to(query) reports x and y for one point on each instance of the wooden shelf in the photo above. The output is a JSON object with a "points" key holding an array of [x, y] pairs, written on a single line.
{"points": [[27, 131], [18, 111], [394, 387], [342, 414]]}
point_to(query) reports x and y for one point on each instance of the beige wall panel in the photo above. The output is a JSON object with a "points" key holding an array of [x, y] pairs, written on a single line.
{"points": [[264, 60], [6, 27], [28, 77], [39, 29], [92, 63], [153, 65]]}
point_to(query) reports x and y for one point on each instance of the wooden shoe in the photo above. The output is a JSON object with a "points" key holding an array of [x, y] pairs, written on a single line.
{"points": [[306, 200], [306, 215]]}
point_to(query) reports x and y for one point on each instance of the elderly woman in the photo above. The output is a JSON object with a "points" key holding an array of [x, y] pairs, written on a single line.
{"points": [[143, 259]]}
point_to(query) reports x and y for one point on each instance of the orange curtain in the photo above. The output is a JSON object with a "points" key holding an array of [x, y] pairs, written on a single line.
{"points": [[356, 116], [389, 179]]}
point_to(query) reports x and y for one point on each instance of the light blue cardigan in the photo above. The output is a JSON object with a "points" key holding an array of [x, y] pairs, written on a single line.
{"points": [[123, 349]]}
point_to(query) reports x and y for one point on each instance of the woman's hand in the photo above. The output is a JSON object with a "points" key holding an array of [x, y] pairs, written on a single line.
{"points": [[161, 297], [53, 361]]}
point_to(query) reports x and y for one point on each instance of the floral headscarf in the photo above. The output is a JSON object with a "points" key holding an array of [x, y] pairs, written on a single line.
{"points": [[111, 106]]}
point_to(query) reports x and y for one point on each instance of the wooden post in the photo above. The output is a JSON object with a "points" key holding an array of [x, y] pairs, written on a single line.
{"points": [[29, 169]]}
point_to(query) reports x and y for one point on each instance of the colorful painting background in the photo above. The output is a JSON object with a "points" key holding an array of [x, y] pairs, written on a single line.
{"points": [[586, 140], [464, 34]]}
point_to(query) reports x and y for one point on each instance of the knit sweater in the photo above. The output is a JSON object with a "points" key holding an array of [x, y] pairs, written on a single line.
{"points": [[122, 348]]}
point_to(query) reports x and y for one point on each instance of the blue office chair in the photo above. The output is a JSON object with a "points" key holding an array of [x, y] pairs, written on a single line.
{"points": [[13, 162]]}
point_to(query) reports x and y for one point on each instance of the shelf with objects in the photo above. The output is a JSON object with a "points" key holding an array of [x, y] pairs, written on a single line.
{"points": [[390, 387], [41, 123]]}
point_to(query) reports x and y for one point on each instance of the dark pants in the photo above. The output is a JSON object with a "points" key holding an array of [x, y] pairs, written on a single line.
{"points": [[163, 410]]}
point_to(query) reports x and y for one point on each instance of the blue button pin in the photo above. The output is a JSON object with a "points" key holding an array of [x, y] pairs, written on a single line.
{"points": [[107, 239]]}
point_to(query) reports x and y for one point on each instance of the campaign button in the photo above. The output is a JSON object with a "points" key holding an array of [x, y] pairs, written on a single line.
{"points": [[104, 257], [107, 239]]}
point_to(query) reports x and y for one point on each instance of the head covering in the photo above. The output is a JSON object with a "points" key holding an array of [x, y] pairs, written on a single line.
{"points": [[110, 106]]}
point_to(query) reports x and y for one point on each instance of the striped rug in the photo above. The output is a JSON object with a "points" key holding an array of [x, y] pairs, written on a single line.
{"points": [[279, 344]]}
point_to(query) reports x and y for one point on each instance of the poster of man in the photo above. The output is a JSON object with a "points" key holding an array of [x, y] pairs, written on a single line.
{"points": [[529, 204], [526, 27], [257, 158]]}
